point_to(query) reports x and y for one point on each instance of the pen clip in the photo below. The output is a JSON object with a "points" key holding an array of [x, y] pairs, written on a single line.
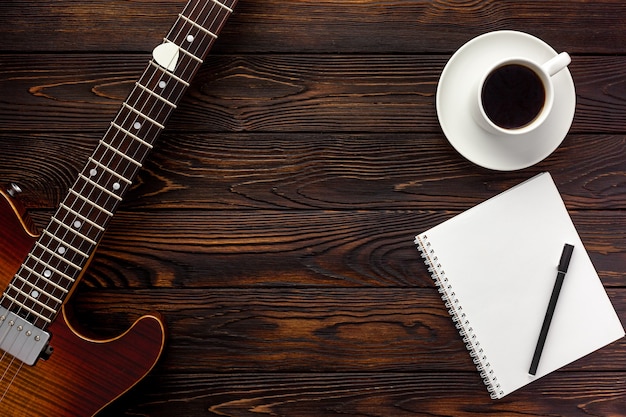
{"points": [[565, 257]]}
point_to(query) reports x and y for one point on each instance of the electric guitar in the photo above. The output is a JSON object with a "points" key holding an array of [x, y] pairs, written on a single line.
{"points": [[47, 368]]}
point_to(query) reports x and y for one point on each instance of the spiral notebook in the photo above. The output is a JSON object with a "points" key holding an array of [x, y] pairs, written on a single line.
{"points": [[495, 266]]}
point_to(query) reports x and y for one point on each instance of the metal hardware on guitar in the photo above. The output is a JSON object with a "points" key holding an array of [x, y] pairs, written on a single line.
{"points": [[20, 338], [14, 189]]}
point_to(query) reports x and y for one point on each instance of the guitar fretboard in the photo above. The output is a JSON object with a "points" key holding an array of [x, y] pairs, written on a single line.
{"points": [[56, 262]]}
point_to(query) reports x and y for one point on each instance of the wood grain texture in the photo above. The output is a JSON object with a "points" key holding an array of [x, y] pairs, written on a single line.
{"points": [[274, 93], [326, 330], [438, 394], [308, 26], [273, 222], [337, 249], [343, 249], [55, 386], [331, 171]]}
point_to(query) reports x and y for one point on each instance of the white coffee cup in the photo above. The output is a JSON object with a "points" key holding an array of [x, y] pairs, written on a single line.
{"points": [[487, 103]]}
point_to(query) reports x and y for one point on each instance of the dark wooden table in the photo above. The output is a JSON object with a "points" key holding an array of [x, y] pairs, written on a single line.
{"points": [[273, 224]]}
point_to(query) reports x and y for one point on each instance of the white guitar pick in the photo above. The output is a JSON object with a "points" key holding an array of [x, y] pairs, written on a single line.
{"points": [[166, 55]]}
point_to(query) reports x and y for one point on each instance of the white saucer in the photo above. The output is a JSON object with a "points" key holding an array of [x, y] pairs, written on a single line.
{"points": [[457, 87]]}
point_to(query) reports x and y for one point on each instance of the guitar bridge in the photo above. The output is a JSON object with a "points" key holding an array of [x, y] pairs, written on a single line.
{"points": [[21, 338]]}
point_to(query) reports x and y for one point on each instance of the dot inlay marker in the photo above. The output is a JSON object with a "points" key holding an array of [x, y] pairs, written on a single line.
{"points": [[116, 186], [137, 125], [93, 172], [47, 273], [61, 250], [77, 224]]}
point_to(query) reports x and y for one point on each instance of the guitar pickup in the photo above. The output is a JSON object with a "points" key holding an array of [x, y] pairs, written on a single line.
{"points": [[21, 338]]}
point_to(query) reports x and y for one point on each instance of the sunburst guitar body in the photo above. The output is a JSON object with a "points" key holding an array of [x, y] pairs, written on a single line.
{"points": [[81, 375], [47, 368]]}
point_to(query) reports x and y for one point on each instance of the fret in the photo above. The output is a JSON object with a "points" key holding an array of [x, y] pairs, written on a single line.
{"points": [[186, 68], [42, 281], [77, 233], [118, 198], [127, 133], [29, 310], [37, 293], [84, 218], [223, 6], [148, 118], [110, 171], [62, 242], [80, 217], [208, 16], [171, 75], [202, 28], [95, 192], [186, 52], [143, 114], [85, 199], [98, 217], [32, 299], [191, 38], [57, 256], [120, 153], [67, 251], [153, 94], [46, 266], [49, 257], [135, 147], [56, 261], [155, 81], [43, 277], [117, 152], [195, 31]]}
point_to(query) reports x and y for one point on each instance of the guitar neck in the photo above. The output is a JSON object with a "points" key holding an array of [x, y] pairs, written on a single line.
{"points": [[55, 264]]}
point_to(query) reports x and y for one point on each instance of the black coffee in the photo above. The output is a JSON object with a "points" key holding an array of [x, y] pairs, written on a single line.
{"points": [[513, 96]]}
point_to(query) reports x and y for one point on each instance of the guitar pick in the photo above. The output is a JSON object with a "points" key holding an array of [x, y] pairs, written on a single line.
{"points": [[166, 55]]}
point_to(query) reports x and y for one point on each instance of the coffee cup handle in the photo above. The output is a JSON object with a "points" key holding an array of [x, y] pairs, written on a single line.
{"points": [[557, 63]]}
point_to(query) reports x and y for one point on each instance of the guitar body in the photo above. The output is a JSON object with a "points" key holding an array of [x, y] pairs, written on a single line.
{"points": [[37, 273], [82, 375]]}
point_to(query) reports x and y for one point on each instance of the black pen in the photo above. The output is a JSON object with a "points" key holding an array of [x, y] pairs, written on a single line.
{"points": [[563, 265]]}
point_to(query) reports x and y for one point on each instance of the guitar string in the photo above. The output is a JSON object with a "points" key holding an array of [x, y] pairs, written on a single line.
{"points": [[81, 210], [66, 233], [10, 384], [76, 257], [63, 237]]}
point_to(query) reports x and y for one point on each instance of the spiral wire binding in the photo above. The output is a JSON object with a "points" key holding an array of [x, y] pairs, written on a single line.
{"points": [[461, 322]]}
